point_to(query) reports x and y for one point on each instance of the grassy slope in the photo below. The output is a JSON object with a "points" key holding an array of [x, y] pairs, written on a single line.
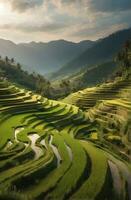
{"points": [[75, 177]]}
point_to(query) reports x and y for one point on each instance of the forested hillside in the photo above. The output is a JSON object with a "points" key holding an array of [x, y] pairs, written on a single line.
{"points": [[12, 71], [43, 57], [103, 51]]}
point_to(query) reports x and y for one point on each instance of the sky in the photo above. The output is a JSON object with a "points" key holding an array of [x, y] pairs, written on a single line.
{"points": [[73, 20]]}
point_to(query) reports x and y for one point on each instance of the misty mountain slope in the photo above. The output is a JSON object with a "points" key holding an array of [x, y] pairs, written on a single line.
{"points": [[94, 76], [102, 51], [43, 57]]}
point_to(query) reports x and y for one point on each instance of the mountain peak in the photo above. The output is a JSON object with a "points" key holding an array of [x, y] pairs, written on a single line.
{"points": [[43, 57]]}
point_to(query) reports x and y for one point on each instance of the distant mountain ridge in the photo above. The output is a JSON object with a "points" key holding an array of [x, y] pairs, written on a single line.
{"points": [[43, 57], [103, 51]]}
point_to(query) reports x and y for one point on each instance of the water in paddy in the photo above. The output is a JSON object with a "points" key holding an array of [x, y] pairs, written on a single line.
{"points": [[43, 143], [116, 177], [8, 145], [69, 151], [125, 172], [38, 151], [56, 152]]}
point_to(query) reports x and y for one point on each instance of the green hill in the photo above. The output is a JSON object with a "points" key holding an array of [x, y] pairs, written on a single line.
{"points": [[53, 150], [13, 72], [108, 107], [103, 51], [94, 75], [83, 79]]}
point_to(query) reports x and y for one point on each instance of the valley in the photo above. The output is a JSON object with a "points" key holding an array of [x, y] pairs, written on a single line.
{"points": [[78, 148]]}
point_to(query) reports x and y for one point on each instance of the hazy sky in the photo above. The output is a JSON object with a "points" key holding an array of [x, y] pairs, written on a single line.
{"points": [[44, 20]]}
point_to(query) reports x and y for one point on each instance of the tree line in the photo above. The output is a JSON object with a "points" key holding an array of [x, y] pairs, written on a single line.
{"points": [[13, 71], [124, 59]]}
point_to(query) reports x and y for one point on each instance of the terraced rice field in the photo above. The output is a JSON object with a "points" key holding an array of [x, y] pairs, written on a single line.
{"points": [[51, 150]]}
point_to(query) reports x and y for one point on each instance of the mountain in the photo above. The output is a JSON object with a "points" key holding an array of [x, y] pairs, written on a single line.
{"points": [[32, 81], [85, 78], [43, 57], [103, 51], [93, 76]]}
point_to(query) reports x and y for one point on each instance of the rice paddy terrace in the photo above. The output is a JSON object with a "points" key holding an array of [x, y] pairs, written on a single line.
{"points": [[109, 108], [54, 150]]}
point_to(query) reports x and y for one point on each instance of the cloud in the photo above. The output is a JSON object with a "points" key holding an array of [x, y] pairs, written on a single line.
{"points": [[102, 25], [95, 5], [68, 19], [109, 5], [73, 5], [50, 27], [23, 5], [96, 31]]}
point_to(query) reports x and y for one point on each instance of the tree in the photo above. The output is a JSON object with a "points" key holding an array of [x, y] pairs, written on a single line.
{"points": [[65, 86], [124, 58], [6, 59], [127, 45], [2, 73], [12, 60], [19, 66]]}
